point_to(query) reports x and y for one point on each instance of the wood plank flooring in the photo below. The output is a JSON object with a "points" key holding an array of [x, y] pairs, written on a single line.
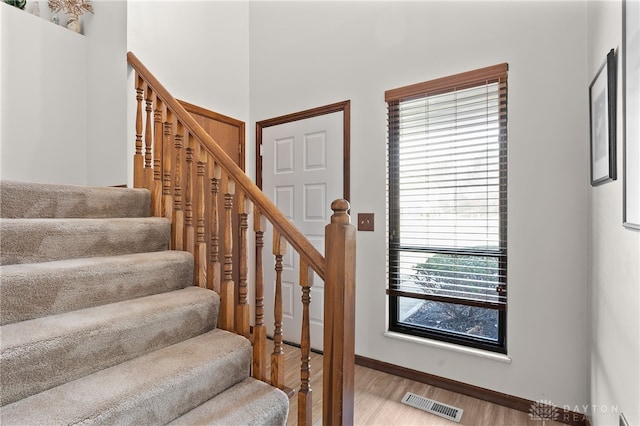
{"points": [[378, 395]]}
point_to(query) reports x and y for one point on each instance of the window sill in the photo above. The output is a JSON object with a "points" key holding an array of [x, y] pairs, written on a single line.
{"points": [[449, 346]]}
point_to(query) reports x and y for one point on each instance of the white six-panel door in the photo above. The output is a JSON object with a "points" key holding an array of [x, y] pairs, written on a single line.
{"points": [[302, 173]]}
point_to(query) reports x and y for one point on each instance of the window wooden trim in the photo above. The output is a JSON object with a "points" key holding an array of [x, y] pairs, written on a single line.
{"points": [[450, 83]]}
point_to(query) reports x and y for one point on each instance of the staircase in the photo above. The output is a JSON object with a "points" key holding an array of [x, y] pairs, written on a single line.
{"points": [[101, 323]]}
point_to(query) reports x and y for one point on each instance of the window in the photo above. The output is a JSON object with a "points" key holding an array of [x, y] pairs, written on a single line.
{"points": [[447, 200]]}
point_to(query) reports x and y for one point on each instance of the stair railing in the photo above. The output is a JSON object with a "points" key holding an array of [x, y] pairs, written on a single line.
{"points": [[193, 182]]}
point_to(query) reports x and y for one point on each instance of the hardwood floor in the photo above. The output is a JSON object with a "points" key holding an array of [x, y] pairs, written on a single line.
{"points": [[378, 395]]}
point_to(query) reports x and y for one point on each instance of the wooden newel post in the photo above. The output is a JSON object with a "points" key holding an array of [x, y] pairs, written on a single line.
{"points": [[339, 317]]}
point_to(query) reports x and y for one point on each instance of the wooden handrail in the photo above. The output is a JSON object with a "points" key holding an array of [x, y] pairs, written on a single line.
{"points": [[278, 220]]}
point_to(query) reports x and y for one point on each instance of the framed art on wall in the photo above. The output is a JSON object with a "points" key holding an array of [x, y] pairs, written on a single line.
{"points": [[602, 122], [631, 113]]}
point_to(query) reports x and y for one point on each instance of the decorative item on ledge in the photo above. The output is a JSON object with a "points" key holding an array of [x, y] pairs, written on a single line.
{"points": [[20, 4], [73, 8]]}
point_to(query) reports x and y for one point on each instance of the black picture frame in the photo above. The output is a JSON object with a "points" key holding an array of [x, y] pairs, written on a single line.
{"points": [[602, 122], [630, 114]]}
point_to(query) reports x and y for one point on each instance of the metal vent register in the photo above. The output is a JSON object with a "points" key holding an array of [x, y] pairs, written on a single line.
{"points": [[433, 407]]}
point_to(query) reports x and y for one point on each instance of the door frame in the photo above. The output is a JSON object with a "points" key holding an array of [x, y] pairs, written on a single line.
{"points": [[344, 107]]}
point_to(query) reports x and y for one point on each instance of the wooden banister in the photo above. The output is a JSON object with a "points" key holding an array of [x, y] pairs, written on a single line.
{"points": [[208, 199], [279, 221]]}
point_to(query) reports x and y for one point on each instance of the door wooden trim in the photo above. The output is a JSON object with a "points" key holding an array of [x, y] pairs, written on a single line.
{"points": [[344, 106]]}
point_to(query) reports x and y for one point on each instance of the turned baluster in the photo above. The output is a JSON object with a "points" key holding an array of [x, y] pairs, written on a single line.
{"points": [[213, 275], [259, 329], [138, 158], [305, 395], [167, 160], [189, 232], [158, 134], [227, 293], [277, 357], [177, 222], [148, 139], [243, 315], [201, 245], [339, 318]]}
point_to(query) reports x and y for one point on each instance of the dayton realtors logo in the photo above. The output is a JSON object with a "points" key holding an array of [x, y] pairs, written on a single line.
{"points": [[543, 410]]}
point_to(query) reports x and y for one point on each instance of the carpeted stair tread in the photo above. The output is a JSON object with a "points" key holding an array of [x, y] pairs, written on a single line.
{"points": [[152, 389], [248, 403], [37, 200], [45, 352], [35, 290], [43, 240]]}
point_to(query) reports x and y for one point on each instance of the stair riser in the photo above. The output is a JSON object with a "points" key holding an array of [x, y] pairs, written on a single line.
{"points": [[41, 289], [186, 392], [40, 354], [153, 389], [43, 240], [254, 402], [31, 200]]}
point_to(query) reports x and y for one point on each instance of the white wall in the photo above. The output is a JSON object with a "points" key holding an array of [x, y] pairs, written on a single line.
{"points": [[199, 50], [307, 54], [106, 32], [62, 115], [614, 259], [44, 99]]}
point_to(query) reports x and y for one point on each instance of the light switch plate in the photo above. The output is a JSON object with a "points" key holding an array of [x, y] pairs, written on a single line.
{"points": [[365, 221]]}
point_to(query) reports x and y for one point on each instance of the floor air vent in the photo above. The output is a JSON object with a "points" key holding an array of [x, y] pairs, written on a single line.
{"points": [[433, 407]]}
